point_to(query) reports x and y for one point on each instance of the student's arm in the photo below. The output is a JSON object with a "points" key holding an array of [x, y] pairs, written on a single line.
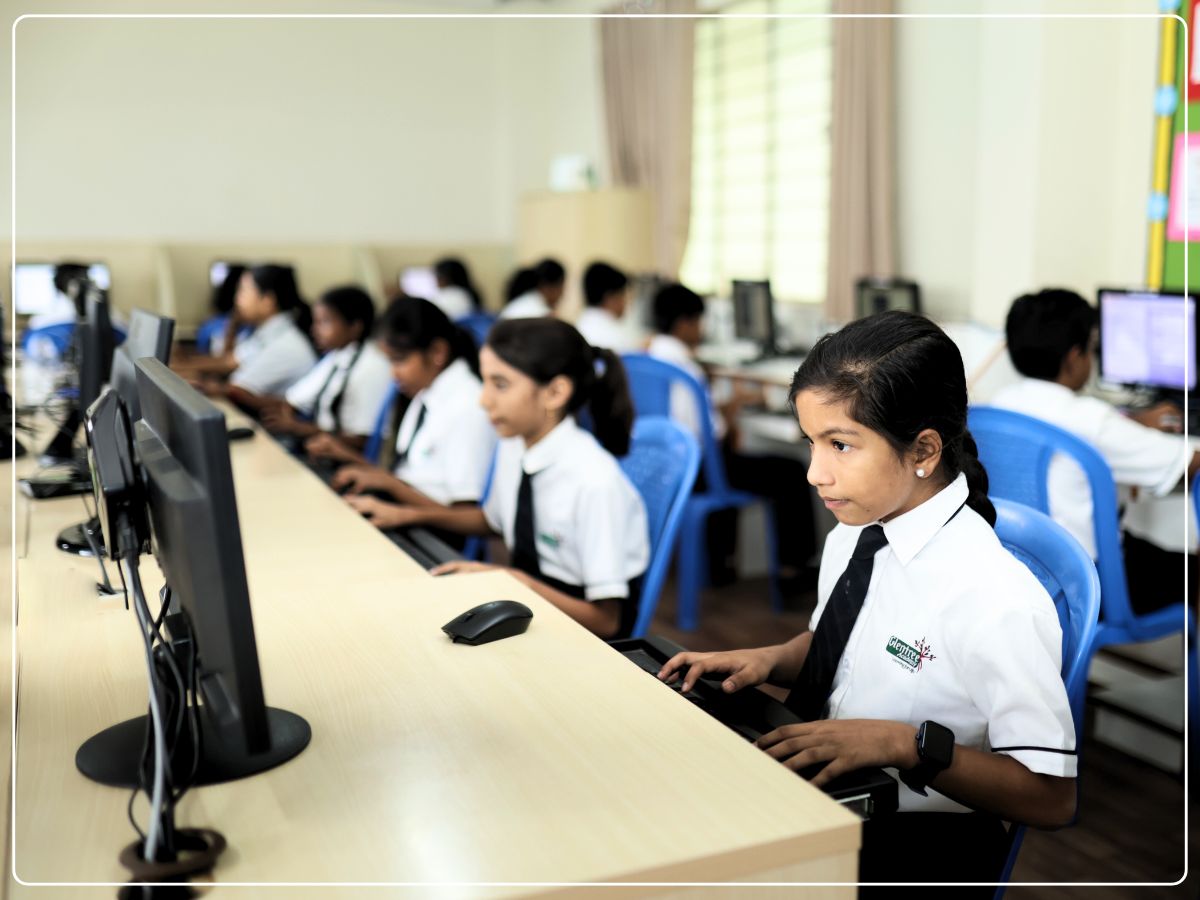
{"points": [[280, 418], [337, 448], [357, 478], [248, 400], [461, 518], [200, 366], [778, 665], [991, 782]]}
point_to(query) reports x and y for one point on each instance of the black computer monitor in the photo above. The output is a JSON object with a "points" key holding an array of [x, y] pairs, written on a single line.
{"points": [[876, 295], [92, 343], [183, 452], [149, 335], [1148, 339], [754, 314]]}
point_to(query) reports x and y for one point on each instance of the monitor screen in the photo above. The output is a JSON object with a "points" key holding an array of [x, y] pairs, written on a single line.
{"points": [[34, 286], [1146, 338], [419, 282], [149, 335], [754, 313]]}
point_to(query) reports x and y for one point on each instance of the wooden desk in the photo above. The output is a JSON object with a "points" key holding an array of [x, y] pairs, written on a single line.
{"points": [[544, 758]]}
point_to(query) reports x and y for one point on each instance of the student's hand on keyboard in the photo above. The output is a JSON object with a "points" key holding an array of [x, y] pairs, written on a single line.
{"points": [[382, 514], [1163, 416], [358, 478], [278, 418], [326, 446], [845, 744], [745, 668]]}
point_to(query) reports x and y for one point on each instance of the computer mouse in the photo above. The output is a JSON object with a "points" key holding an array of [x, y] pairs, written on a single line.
{"points": [[240, 433], [489, 622]]}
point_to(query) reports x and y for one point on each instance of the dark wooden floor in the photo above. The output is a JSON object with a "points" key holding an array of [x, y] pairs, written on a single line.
{"points": [[1131, 817]]}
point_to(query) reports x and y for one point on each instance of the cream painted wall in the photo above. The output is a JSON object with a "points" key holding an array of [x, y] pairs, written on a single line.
{"points": [[1024, 151]]}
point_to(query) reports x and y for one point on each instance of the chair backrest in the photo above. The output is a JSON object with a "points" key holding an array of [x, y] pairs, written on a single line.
{"points": [[477, 325], [662, 463], [1016, 451], [650, 383], [375, 441], [1069, 577], [50, 341]]}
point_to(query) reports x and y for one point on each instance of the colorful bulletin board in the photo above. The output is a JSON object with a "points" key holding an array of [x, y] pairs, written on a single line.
{"points": [[1176, 153]]}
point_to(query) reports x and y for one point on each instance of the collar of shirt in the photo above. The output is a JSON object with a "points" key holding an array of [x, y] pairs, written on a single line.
{"points": [[274, 326], [552, 447], [452, 379], [343, 356], [908, 534], [531, 303], [667, 346]]}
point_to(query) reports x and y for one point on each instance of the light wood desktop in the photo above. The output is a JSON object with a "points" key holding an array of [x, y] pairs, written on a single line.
{"points": [[543, 758]]}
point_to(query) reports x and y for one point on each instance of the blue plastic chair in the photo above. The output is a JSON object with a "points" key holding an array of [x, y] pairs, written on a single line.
{"points": [[476, 546], [662, 463], [208, 330], [54, 337], [1016, 451], [1070, 578], [374, 443], [478, 325], [650, 382]]}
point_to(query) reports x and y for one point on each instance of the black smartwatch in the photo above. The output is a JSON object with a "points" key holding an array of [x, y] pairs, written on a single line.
{"points": [[935, 749]]}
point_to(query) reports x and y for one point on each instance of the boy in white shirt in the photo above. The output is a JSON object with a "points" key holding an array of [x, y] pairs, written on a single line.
{"points": [[1052, 338], [606, 293], [548, 278]]}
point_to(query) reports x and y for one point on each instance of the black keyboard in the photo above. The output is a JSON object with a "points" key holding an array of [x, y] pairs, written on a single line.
{"points": [[752, 713]]}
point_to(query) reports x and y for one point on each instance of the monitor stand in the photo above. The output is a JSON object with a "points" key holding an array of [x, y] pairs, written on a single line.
{"points": [[74, 538], [114, 756], [61, 449]]}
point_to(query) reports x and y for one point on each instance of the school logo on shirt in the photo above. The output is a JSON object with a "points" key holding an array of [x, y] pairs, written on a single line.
{"points": [[551, 540], [907, 656]]}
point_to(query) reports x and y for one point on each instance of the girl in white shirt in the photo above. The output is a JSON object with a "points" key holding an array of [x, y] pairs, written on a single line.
{"points": [[606, 295], [442, 449], [341, 394], [943, 630], [456, 295], [275, 356], [574, 525]]}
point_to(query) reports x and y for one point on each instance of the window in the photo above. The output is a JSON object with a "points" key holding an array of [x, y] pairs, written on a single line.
{"points": [[760, 149]]}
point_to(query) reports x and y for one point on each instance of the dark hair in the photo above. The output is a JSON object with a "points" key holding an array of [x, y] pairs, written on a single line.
{"points": [[225, 293], [70, 275], [413, 323], [544, 348], [600, 280], [898, 374], [352, 304], [674, 302], [522, 282], [550, 272], [454, 272], [281, 282], [1042, 328]]}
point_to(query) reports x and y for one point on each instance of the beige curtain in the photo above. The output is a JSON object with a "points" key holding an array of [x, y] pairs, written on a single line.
{"points": [[862, 153], [647, 65]]}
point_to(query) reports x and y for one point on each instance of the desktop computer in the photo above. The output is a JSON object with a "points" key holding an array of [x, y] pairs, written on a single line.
{"points": [[173, 472], [419, 281], [876, 295], [754, 315], [34, 290]]}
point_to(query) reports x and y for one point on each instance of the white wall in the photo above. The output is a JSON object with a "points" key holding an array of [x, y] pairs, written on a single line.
{"points": [[408, 130], [1024, 152]]}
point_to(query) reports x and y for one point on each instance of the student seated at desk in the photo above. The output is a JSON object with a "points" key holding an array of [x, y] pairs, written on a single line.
{"points": [[923, 617], [456, 294], [1051, 339], [606, 293], [679, 318], [279, 352], [543, 289], [574, 525], [444, 443], [341, 394]]}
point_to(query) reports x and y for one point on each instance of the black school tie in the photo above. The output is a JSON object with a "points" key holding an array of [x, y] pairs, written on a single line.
{"points": [[524, 551], [813, 684], [403, 454]]}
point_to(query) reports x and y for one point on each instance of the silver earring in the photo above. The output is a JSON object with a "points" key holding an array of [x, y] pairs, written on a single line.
{"points": [[920, 473]]}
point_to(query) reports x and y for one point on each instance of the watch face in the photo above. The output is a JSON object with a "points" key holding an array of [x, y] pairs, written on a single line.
{"points": [[937, 743]]}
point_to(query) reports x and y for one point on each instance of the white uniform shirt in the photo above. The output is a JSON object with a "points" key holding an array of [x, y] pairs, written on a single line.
{"points": [[530, 305], [362, 390], [453, 301], [683, 407], [273, 358], [590, 520], [954, 629], [600, 328], [59, 311], [1137, 455], [448, 457]]}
